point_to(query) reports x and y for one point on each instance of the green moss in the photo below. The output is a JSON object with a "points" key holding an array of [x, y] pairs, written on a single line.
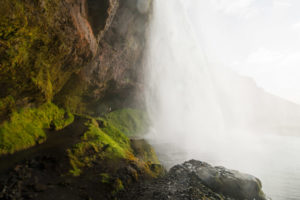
{"points": [[7, 105], [71, 95], [26, 127], [9, 100], [36, 53], [108, 143], [75, 163], [115, 134], [131, 122], [24, 55], [106, 140], [60, 123], [118, 186], [105, 178], [143, 150], [156, 170]]}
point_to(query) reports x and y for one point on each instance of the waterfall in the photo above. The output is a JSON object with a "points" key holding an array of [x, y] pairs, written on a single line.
{"points": [[211, 113], [180, 93]]}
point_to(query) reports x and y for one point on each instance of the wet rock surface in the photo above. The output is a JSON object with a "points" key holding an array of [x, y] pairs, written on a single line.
{"points": [[199, 180], [43, 171], [45, 178], [77, 53], [112, 79]]}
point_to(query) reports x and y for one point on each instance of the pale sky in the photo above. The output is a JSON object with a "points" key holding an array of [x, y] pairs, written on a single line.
{"points": [[257, 38]]}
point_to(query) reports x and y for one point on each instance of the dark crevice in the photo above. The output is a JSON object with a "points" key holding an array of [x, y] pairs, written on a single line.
{"points": [[97, 14]]}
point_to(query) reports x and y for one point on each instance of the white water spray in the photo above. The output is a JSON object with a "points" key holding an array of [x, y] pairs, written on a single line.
{"points": [[209, 113], [181, 96]]}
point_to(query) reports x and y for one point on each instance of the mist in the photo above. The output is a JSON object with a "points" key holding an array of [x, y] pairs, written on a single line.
{"points": [[203, 106]]}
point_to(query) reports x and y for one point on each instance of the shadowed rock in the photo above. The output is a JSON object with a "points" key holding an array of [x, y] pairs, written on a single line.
{"points": [[194, 180], [228, 182]]}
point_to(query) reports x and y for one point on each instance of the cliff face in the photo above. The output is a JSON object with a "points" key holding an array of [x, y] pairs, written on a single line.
{"points": [[68, 69], [75, 52], [41, 46], [65, 57], [111, 78]]}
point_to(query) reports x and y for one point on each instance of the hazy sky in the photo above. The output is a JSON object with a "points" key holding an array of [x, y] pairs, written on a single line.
{"points": [[257, 38]]}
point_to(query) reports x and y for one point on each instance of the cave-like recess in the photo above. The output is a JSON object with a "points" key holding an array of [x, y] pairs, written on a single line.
{"points": [[97, 14]]}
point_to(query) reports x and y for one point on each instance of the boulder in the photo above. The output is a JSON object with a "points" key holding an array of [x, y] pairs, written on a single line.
{"points": [[231, 183], [194, 180]]}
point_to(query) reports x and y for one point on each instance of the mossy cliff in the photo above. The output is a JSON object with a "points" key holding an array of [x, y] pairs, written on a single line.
{"points": [[91, 158], [71, 98], [40, 47], [106, 148], [81, 55], [113, 77], [104, 140], [84, 55]]}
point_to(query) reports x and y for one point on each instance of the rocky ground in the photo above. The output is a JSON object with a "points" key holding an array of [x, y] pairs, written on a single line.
{"points": [[38, 178], [196, 180], [46, 171], [42, 173]]}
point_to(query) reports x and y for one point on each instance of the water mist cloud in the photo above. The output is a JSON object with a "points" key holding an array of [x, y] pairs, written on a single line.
{"points": [[203, 110]]}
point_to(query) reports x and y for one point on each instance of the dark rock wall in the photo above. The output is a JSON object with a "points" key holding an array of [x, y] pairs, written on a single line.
{"points": [[112, 78], [97, 14]]}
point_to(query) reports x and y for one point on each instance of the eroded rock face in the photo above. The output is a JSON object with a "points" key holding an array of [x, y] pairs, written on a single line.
{"points": [[113, 78], [97, 14], [77, 53], [43, 43], [120, 52], [195, 180]]}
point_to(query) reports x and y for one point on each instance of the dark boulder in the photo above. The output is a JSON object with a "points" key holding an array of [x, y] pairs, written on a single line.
{"points": [[194, 180], [221, 180]]}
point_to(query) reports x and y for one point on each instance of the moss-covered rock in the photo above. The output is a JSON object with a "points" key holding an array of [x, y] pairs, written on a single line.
{"points": [[76, 53], [25, 128], [98, 144], [40, 48], [91, 151], [107, 138], [118, 186], [131, 122], [49, 52], [144, 151], [7, 105]]}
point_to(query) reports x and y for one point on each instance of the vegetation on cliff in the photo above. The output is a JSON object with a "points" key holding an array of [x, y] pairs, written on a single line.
{"points": [[90, 153], [53, 73], [38, 50], [97, 144], [130, 121], [25, 128], [107, 139]]}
